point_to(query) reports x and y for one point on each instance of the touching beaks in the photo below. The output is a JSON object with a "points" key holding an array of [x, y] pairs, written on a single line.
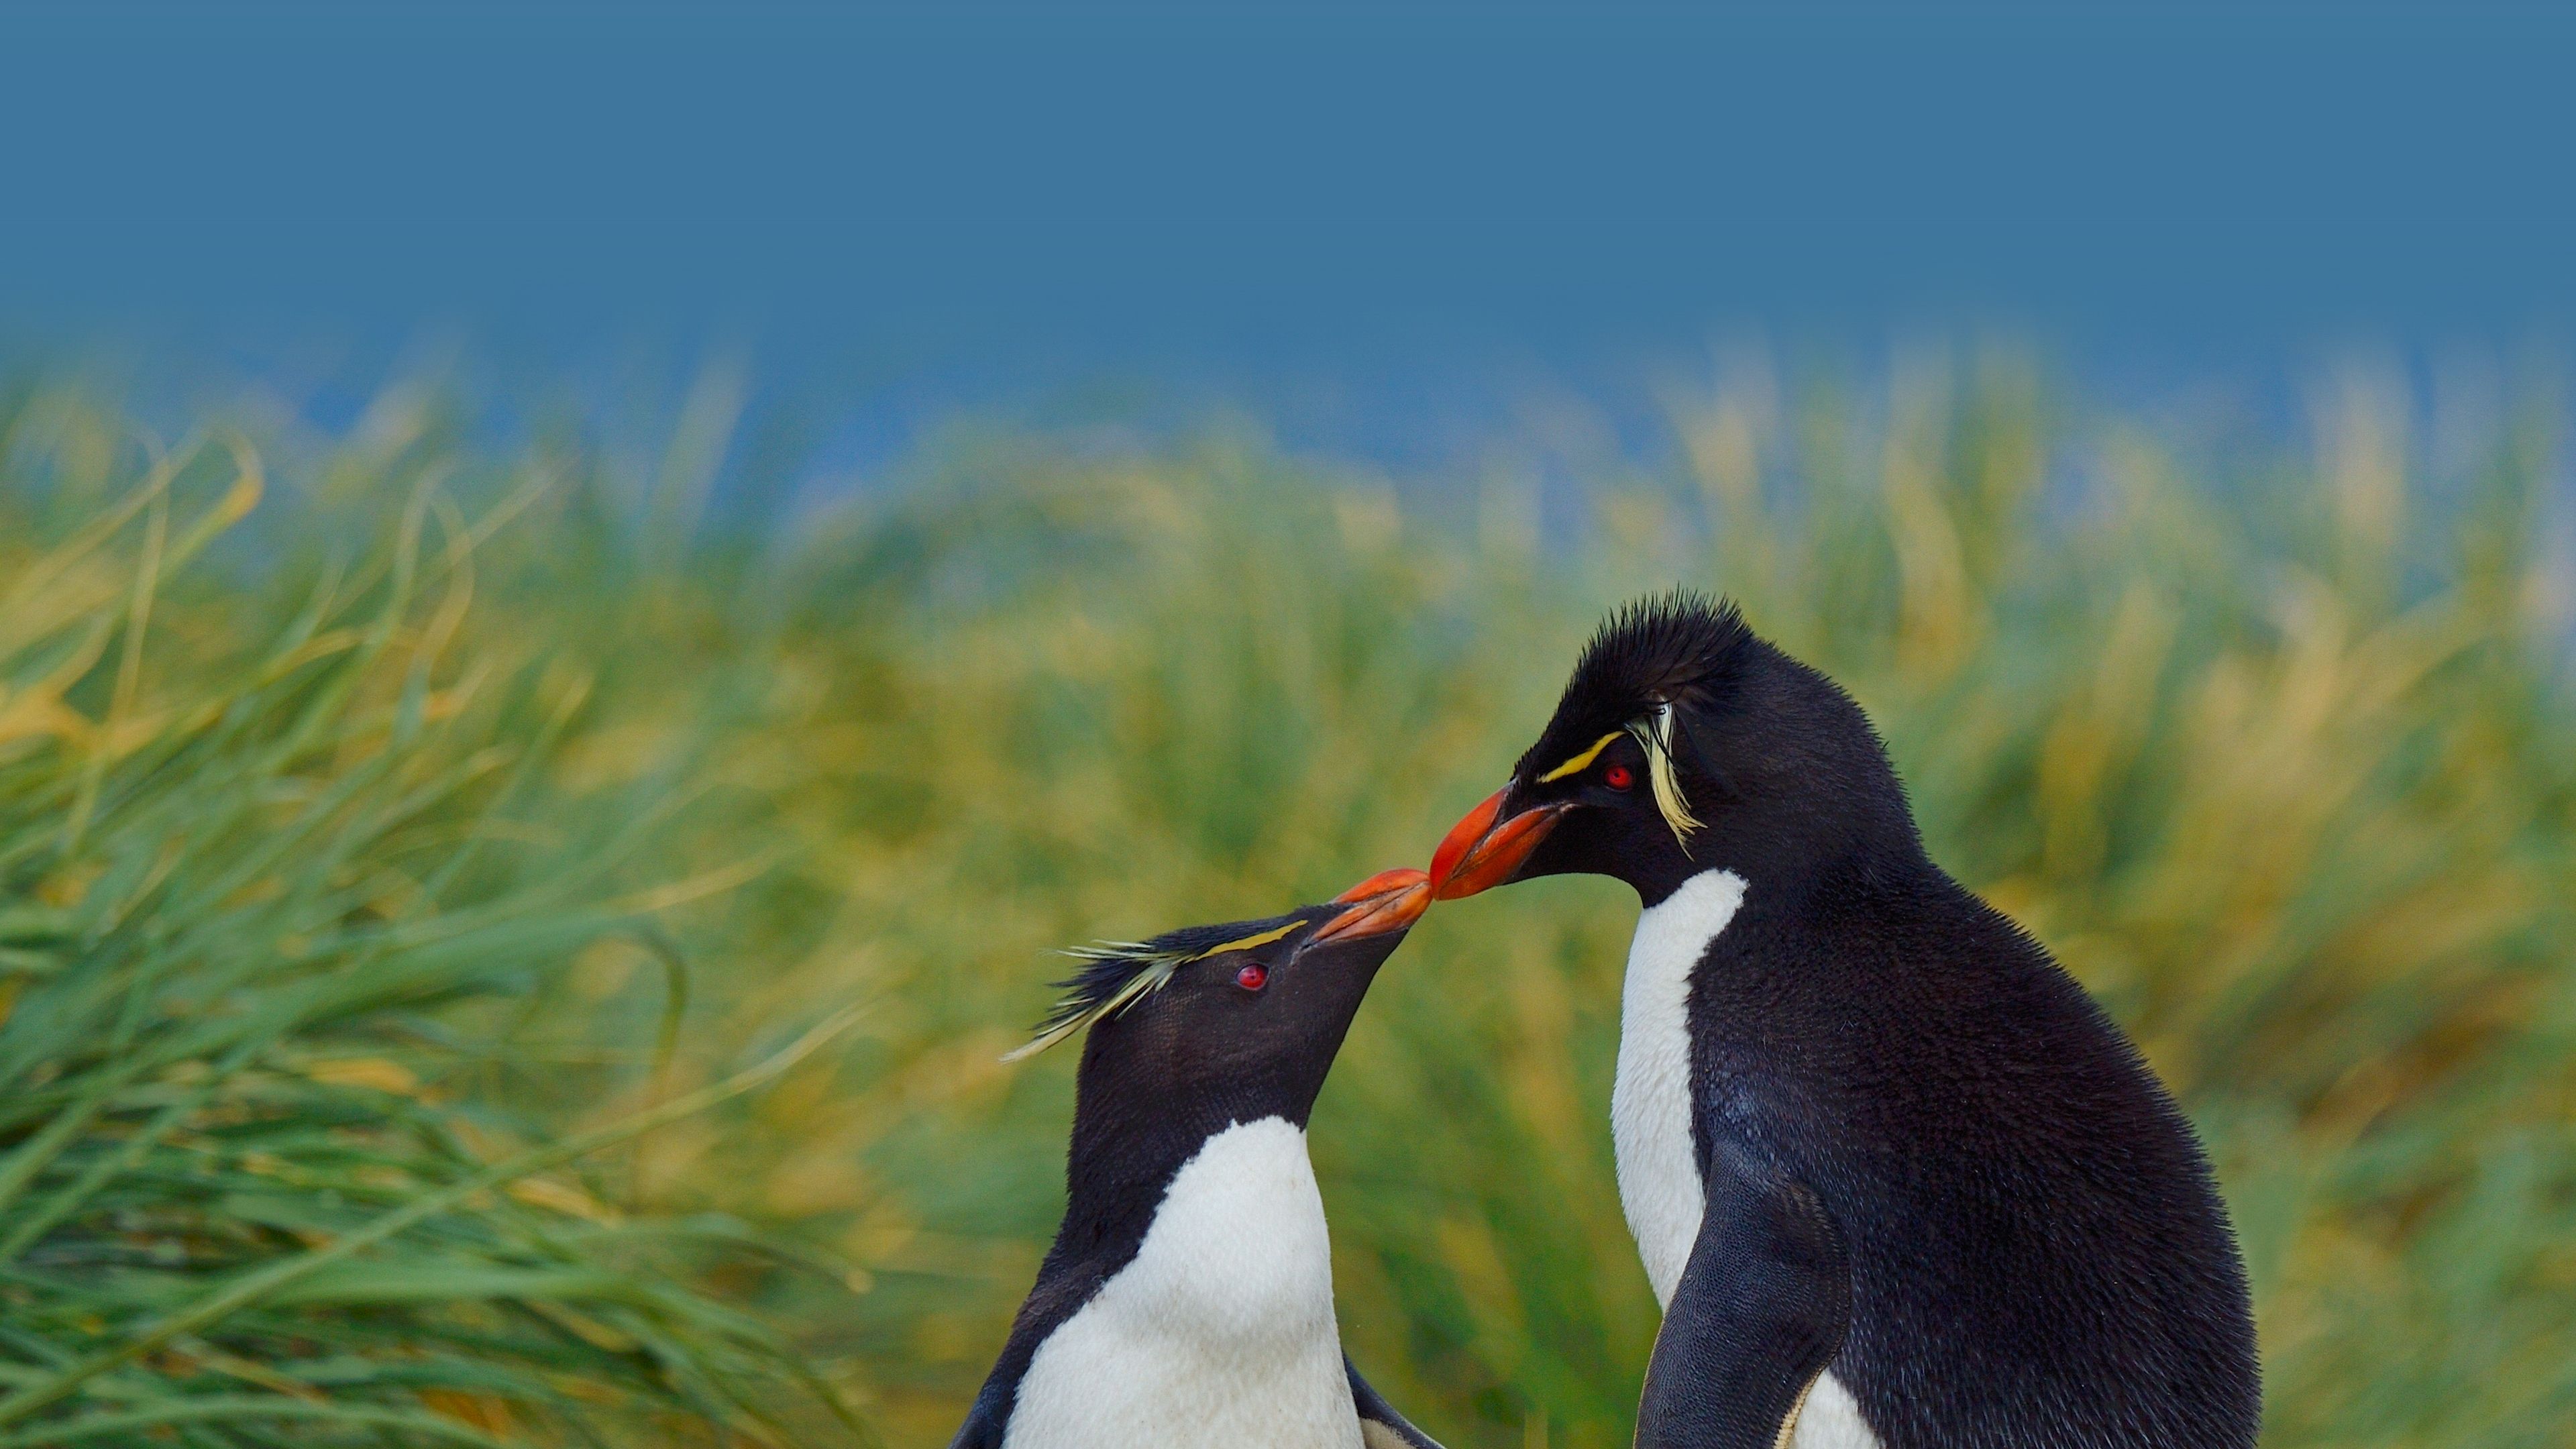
{"points": [[1479, 853], [1390, 900]]}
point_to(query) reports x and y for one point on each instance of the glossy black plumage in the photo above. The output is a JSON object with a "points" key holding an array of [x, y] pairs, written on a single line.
{"points": [[1762, 1309], [2036, 1251], [1379, 1421]]}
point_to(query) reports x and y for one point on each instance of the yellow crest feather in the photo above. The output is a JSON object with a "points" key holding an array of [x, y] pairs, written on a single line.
{"points": [[1580, 761], [1262, 938], [1655, 734]]}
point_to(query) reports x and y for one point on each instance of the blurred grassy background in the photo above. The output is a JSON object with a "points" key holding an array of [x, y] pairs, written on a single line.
{"points": [[447, 804]]}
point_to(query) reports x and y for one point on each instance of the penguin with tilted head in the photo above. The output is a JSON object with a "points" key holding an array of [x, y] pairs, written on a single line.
{"points": [[1188, 1300], [1895, 1178]]}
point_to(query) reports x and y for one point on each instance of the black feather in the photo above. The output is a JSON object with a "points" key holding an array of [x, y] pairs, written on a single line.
{"points": [[1678, 648], [1114, 972], [1661, 648]]}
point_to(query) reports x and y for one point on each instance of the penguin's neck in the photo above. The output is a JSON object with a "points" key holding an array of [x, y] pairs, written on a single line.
{"points": [[1218, 1329], [1650, 1097], [1114, 1180], [1198, 1199]]}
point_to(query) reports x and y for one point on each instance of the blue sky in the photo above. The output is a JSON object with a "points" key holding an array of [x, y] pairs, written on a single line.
{"points": [[1265, 202]]}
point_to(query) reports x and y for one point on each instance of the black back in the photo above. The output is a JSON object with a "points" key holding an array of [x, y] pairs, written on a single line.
{"points": [[2038, 1251]]}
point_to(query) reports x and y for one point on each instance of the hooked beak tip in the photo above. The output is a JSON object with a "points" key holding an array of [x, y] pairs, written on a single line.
{"points": [[1483, 850], [1391, 900], [1466, 835]]}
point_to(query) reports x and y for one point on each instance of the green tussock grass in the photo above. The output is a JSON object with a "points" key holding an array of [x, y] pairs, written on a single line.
{"points": [[263, 908], [2269, 739]]}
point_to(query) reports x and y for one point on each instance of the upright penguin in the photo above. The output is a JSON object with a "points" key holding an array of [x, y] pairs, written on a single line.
{"points": [[1897, 1181], [1188, 1300]]}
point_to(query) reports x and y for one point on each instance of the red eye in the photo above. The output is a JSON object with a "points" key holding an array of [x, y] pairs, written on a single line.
{"points": [[1253, 977], [1618, 777]]}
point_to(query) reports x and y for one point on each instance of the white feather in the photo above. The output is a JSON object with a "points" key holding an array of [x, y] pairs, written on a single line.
{"points": [[1650, 1099], [1831, 1420], [1650, 1117], [1220, 1332]]}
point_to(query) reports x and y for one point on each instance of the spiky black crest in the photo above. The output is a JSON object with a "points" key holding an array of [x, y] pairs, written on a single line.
{"points": [[1676, 648], [1117, 974]]}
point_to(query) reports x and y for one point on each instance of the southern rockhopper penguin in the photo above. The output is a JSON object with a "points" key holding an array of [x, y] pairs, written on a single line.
{"points": [[1896, 1179], [1188, 1300]]}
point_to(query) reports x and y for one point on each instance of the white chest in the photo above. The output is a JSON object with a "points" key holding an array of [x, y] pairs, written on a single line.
{"points": [[1650, 1118], [1220, 1332], [1650, 1099]]}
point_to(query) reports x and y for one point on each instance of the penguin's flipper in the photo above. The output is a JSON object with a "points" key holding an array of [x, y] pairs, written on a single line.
{"points": [[1381, 1427], [1760, 1311], [984, 1422]]}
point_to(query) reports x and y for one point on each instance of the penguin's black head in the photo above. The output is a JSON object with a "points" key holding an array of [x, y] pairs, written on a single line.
{"points": [[1685, 743], [1208, 1025]]}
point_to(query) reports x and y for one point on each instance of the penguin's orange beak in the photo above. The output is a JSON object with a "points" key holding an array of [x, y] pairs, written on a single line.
{"points": [[1482, 851], [1390, 900]]}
